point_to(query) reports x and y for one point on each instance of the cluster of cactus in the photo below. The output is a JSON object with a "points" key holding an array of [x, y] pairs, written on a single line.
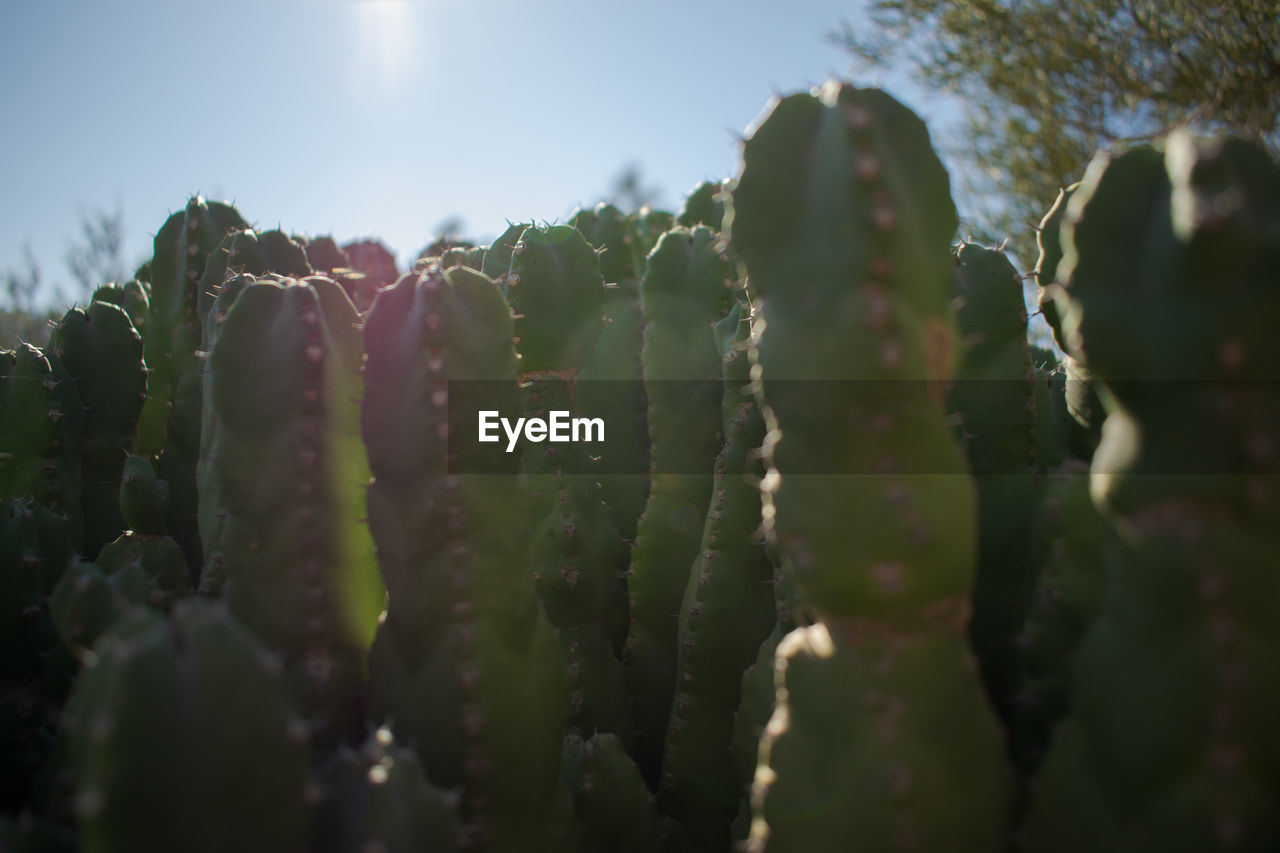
{"points": [[854, 564]]}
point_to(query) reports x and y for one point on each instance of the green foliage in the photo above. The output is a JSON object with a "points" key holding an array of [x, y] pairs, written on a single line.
{"points": [[1046, 84]]}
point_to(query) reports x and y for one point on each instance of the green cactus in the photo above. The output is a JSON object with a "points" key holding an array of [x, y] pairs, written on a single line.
{"points": [[249, 251], [144, 504], [1169, 283], [1083, 405], [1069, 536], [183, 737], [578, 557], [102, 352], [325, 256], [35, 552], [648, 225], [497, 258], [687, 289], [182, 247], [379, 798], [35, 670], [143, 566], [728, 610], [132, 296], [842, 215], [88, 602], [210, 516], [169, 425], [996, 402], [41, 425], [611, 800], [284, 376], [577, 560], [703, 206], [374, 261], [466, 667], [611, 384]]}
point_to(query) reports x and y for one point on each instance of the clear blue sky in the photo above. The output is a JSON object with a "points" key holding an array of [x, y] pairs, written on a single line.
{"points": [[381, 117]]}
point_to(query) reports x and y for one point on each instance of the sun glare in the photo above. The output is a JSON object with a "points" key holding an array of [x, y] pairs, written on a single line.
{"points": [[384, 32]]}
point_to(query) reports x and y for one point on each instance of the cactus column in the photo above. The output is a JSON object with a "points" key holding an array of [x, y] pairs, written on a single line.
{"points": [[184, 737], [728, 610], [103, 353], [843, 217], [466, 668], [169, 424], [686, 291], [299, 562], [1171, 292]]}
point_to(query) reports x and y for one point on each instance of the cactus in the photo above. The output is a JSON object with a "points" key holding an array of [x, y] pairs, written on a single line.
{"points": [[169, 424], [611, 383], [578, 557], [703, 206], [35, 553], [466, 667], [325, 256], [88, 602], [210, 516], [143, 503], [727, 612], [1083, 405], [866, 494], [142, 567], [298, 559], [182, 247], [103, 354], [1169, 283], [375, 262], [1069, 535], [497, 258], [648, 225], [612, 802], [686, 290], [379, 798], [183, 737], [248, 251], [997, 402], [43, 421], [132, 297]]}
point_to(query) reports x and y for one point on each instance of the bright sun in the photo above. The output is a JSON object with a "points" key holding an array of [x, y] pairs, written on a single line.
{"points": [[384, 39]]}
